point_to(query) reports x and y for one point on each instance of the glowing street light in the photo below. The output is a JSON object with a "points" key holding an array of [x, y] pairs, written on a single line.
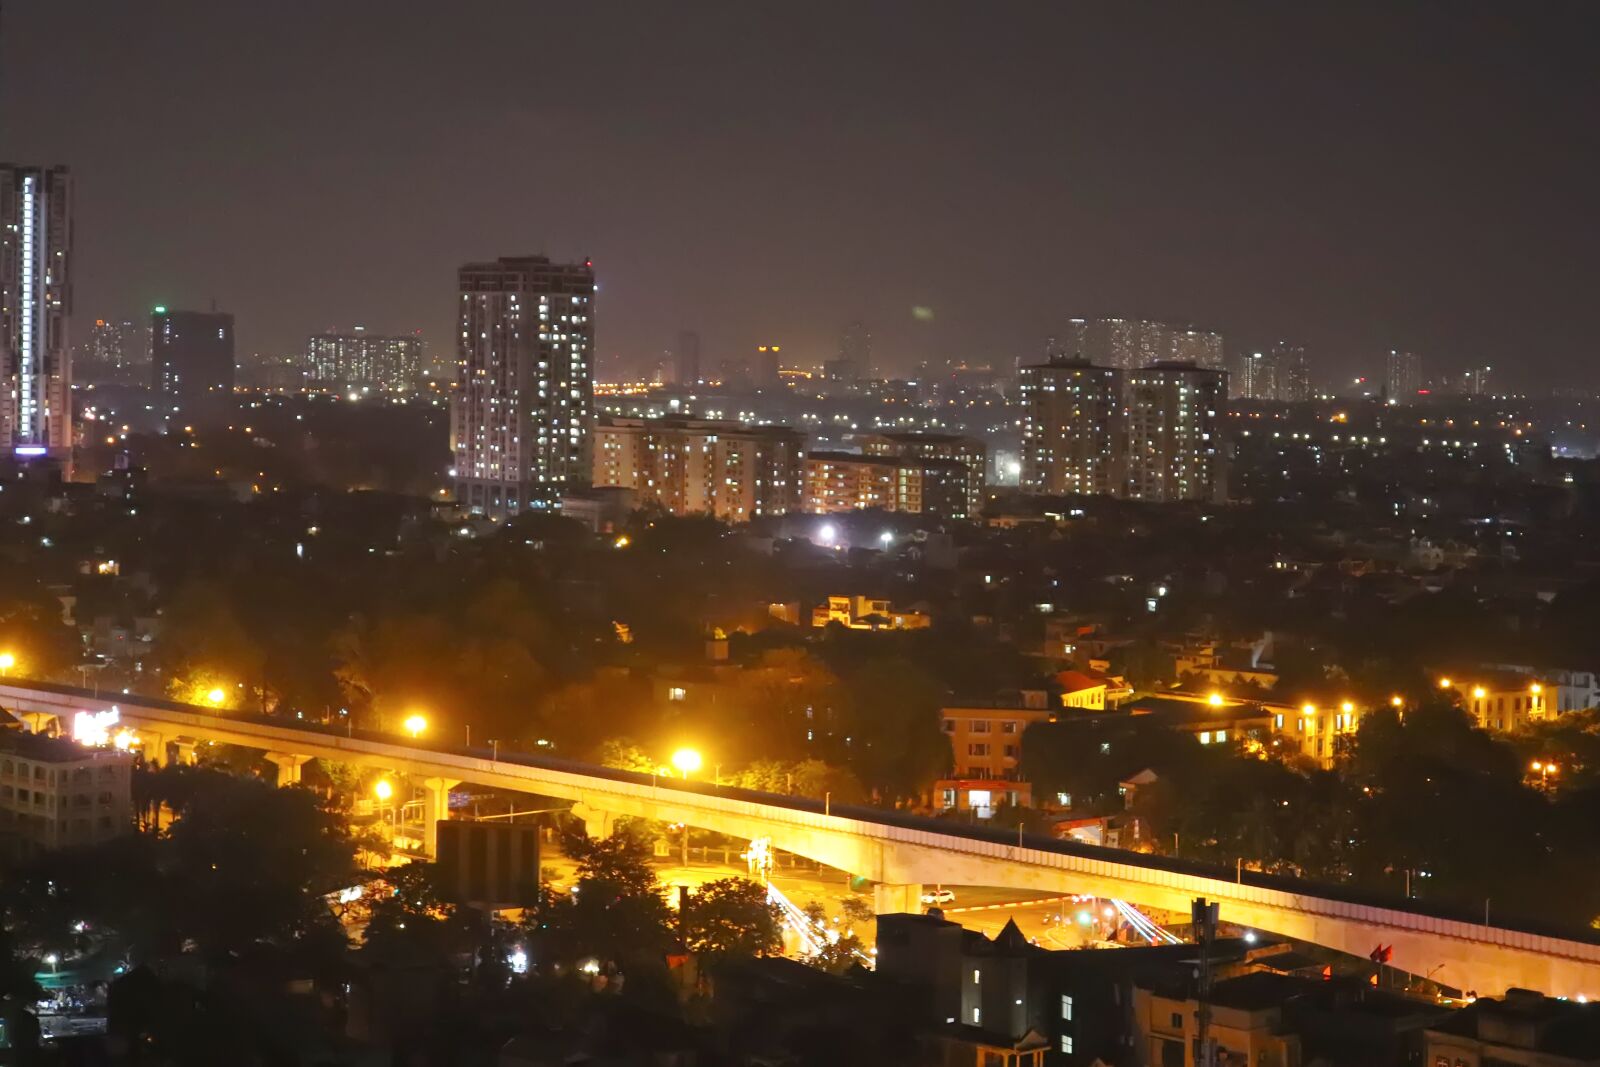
{"points": [[7, 661], [1444, 683], [415, 724], [1215, 700], [687, 760], [383, 790], [216, 696], [1479, 692], [1396, 701]]}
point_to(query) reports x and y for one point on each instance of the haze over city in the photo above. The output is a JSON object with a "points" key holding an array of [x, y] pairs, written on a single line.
{"points": [[872, 535], [1354, 178]]}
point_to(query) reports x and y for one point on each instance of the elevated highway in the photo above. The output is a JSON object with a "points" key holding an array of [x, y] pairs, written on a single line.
{"points": [[899, 852]]}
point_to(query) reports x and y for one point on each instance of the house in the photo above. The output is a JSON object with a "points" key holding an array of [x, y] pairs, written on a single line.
{"points": [[1521, 1028], [986, 746], [867, 613], [1498, 700], [1080, 690]]}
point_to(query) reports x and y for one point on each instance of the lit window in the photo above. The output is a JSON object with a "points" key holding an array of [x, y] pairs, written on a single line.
{"points": [[1066, 1011]]}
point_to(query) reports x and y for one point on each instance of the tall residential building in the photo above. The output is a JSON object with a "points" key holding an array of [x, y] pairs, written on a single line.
{"points": [[1071, 427], [1402, 376], [35, 303], [359, 358], [686, 358], [1203, 348], [524, 404], [1293, 372], [765, 366], [1475, 382], [1280, 373], [191, 358], [114, 347], [1124, 344], [1255, 377], [968, 452], [1173, 442], [855, 350], [698, 466]]}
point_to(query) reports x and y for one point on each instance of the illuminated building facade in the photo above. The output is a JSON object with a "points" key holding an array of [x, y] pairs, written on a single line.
{"points": [[848, 481], [1124, 344], [1402, 376], [191, 357], [1280, 373], [360, 359], [523, 411], [951, 492], [1071, 428], [1173, 442], [702, 467], [35, 304], [55, 792]]}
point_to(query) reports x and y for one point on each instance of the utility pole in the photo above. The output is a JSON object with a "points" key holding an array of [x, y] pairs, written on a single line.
{"points": [[1204, 916]]}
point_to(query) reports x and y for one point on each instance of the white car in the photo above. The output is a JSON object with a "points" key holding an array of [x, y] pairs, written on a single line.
{"points": [[939, 896]]}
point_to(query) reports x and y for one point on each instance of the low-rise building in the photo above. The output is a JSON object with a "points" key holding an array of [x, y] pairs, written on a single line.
{"points": [[55, 792], [702, 467], [1565, 688], [1079, 690], [985, 748], [1521, 1029], [867, 613], [1498, 700], [958, 497], [919, 485]]}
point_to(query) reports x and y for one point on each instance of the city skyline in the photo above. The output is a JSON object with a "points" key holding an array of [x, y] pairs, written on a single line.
{"points": [[1334, 228]]}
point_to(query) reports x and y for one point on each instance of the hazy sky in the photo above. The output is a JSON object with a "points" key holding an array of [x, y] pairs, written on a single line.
{"points": [[1356, 176]]}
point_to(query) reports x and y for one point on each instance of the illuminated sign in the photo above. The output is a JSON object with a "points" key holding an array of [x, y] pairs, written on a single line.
{"points": [[94, 727]]}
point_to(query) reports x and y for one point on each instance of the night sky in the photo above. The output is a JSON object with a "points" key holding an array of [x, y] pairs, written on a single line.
{"points": [[1343, 174]]}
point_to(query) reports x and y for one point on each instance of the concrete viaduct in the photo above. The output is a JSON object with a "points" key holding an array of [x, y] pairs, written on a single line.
{"points": [[899, 852]]}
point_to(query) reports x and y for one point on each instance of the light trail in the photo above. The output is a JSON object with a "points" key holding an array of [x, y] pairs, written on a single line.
{"points": [[1143, 926], [813, 936]]}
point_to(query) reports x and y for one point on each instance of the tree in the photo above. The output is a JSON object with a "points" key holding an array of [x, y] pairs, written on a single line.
{"points": [[732, 917], [894, 736], [616, 910], [412, 916]]}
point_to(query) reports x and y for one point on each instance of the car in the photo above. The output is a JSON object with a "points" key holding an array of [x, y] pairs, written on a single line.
{"points": [[939, 896]]}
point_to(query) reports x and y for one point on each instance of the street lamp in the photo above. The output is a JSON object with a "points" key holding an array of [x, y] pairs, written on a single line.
{"points": [[687, 760], [1215, 700], [7, 661], [1544, 769], [216, 696], [415, 724], [1396, 701], [383, 790]]}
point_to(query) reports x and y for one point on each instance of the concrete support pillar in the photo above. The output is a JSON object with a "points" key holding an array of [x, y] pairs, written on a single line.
{"points": [[435, 806], [183, 752], [888, 898], [288, 764], [44, 722], [153, 747], [596, 824]]}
